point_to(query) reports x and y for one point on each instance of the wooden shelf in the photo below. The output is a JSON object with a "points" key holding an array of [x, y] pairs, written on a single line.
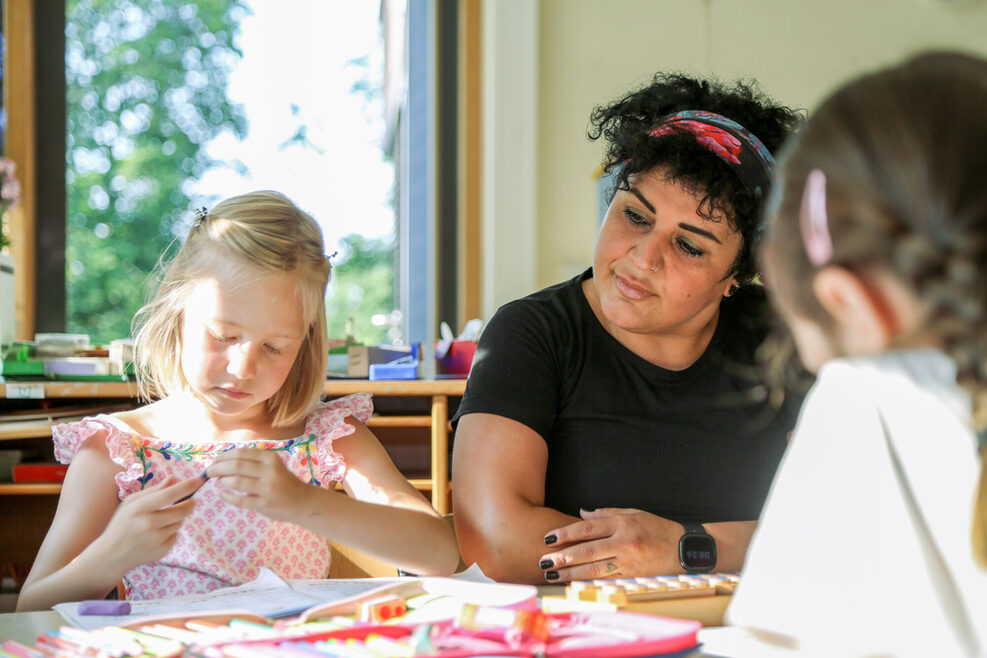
{"points": [[400, 421], [29, 489], [35, 429], [334, 387], [74, 389], [409, 387]]}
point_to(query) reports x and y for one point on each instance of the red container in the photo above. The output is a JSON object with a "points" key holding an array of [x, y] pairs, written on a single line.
{"points": [[40, 472], [457, 361]]}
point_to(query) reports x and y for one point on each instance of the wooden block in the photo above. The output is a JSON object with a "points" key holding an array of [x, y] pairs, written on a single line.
{"points": [[381, 608]]}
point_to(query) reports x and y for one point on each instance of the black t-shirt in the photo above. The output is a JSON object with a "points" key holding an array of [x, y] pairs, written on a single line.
{"points": [[700, 444]]}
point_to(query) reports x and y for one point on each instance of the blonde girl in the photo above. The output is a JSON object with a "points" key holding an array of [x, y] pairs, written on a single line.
{"points": [[234, 467]]}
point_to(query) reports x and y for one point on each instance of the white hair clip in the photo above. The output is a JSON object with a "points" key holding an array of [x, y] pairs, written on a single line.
{"points": [[813, 221]]}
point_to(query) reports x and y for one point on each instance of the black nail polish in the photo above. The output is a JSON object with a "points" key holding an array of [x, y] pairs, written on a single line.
{"points": [[551, 539], [551, 575], [546, 564]]}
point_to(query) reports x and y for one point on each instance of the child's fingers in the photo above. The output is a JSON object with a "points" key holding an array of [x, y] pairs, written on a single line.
{"points": [[167, 492]]}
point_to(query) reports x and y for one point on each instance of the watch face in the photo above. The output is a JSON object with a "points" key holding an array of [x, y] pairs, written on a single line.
{"points": [[697, 552]]}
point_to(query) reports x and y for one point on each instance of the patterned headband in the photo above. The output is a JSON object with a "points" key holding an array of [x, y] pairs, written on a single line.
{"points": [[729, 141]]}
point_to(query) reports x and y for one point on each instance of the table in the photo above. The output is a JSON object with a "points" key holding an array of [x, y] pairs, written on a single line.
{"points": [[25, 627]]}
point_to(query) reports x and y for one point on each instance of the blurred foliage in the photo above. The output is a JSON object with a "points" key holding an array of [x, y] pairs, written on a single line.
{"points": [[146, 85], [362, 284]]}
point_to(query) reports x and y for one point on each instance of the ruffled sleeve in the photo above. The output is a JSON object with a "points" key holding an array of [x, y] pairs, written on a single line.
{"points": [[69, 437], [327, 422]]}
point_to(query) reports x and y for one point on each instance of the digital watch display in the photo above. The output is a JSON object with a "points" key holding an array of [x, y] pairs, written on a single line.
{"points": [[697, 549]]}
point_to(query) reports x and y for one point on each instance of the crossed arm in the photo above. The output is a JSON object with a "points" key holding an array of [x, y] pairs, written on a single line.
{"points": [[502, 522]]}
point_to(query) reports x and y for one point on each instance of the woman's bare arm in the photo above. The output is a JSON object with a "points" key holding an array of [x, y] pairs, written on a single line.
{"points": [[499, 468]]}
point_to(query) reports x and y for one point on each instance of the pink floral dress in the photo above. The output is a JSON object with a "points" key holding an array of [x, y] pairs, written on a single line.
{"points": [[219, 544]]}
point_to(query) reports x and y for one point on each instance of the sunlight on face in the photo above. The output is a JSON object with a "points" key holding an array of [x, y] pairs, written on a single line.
{"points": [[241, 333]]}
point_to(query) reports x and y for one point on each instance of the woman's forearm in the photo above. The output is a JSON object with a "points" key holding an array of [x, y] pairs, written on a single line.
{"points": [[506, 543]]}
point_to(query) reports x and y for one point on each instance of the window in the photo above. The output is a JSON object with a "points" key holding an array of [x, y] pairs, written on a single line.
{"points": [[172, 106], [177, 133]]}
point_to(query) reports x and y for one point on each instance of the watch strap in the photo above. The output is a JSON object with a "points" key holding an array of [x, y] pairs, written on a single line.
{"points": [[694, 528]]}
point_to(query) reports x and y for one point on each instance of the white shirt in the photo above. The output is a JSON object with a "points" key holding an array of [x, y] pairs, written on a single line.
{"points": [[840, 561]]}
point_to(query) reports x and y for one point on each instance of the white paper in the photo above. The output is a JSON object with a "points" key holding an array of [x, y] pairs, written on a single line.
{"points": [[267, 595]]}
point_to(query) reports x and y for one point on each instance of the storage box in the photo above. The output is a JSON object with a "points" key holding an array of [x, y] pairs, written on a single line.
{"points": [[9, 459], [457, 360], [40, 472], [362, 356], [404, 368], [57, 344]]}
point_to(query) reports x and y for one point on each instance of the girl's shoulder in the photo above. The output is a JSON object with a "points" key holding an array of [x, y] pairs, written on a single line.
{"points": [[69, 437], [328, 419]]}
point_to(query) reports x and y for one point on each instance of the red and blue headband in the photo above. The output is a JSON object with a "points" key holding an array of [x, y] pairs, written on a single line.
{"points": [[729, 141]]}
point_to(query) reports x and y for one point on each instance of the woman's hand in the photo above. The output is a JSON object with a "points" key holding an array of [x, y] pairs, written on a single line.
{"points": [[145, 525], [258, 480], [612, 542]]}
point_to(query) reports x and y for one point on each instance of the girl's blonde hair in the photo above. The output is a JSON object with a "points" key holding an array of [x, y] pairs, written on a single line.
{"points": [[904, 151], [260, 231]]}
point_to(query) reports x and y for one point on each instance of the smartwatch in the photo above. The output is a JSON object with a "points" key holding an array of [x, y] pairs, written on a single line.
{"points": [[697, 549]]}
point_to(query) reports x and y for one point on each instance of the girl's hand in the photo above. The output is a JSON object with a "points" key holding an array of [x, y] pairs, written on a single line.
{"points": [[613, 542], [258, 480], [145, 525]]}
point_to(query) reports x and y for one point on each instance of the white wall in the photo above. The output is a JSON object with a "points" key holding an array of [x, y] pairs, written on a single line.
{"points": [[591, 51]]}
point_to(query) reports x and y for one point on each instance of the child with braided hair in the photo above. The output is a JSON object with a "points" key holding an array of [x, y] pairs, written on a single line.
{"points": [[875, 259]]}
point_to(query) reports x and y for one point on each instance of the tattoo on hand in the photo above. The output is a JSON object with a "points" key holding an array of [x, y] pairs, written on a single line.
{"points": [[611, 567]]}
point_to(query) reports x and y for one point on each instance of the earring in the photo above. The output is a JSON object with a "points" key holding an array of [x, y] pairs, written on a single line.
{"points": [[653, 270]]}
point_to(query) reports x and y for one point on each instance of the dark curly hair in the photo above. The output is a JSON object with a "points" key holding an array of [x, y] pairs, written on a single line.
{"points": [[624, 124]]}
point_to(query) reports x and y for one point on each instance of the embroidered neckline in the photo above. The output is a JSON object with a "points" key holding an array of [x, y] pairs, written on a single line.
{"points": [[144, 448]]}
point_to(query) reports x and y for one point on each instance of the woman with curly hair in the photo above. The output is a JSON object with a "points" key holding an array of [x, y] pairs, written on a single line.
{"points": [[612, 424]]}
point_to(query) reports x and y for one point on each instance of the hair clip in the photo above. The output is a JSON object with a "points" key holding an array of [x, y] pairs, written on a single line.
{"points": [[812, 220], [200, 215]]}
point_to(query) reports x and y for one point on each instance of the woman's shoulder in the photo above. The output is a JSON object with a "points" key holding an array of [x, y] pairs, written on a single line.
{"points": [[559, 303]]}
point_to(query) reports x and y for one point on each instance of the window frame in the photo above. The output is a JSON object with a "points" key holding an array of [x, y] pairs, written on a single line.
{"points": [[36, 140]]}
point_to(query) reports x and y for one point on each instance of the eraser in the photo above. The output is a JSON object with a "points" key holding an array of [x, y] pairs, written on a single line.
{"points": [[104, 607]]}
